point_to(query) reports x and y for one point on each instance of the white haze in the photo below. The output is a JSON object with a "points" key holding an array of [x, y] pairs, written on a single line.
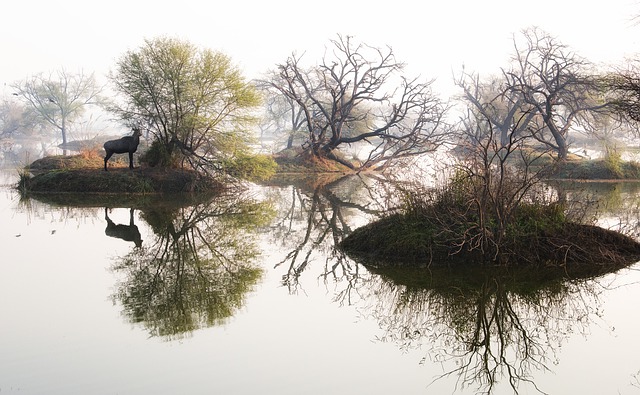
{"points": [[433, 38]]}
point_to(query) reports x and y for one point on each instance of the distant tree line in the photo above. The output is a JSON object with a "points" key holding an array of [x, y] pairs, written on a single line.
{"points": [[354, 106]]}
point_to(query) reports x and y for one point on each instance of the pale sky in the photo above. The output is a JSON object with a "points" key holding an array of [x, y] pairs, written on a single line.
{"points": [[433, 39]]}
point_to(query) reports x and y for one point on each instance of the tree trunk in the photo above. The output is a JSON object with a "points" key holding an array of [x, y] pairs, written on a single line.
{"points": [[504, 135], [330, 155], [63, 130], [563, 150], [561, 143]]}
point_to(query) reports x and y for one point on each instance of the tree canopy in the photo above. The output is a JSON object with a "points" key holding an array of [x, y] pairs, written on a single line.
{"points": [[546, 91], [194, 102], [556, 84], [623, 87], [60, 98]]}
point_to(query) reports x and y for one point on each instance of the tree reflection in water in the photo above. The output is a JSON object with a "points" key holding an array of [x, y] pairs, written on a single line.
{"points": [[197, 269], [613, 205], [493, 324], [315, 216], [488, 327]]}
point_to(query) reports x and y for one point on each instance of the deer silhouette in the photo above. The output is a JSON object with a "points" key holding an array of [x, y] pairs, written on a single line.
{"points": [[120, 146], [125, 232]]}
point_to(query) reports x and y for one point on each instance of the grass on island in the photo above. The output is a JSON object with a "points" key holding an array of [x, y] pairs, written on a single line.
{"points": [[410, 240], [85, 173], [597, 169]]}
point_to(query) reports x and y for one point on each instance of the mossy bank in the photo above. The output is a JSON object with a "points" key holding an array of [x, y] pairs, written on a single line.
{"points": [[145, 180], [407, 240]]}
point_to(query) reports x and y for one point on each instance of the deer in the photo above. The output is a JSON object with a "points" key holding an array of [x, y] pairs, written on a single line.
{"points": [[120, 146]]}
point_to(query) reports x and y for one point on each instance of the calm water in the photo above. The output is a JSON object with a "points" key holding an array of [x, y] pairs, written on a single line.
{"points": [[246, 295]]}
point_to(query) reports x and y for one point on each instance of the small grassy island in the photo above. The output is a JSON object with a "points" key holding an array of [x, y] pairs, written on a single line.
{"points": [[506, 222], [84, 174], [538, 236]]}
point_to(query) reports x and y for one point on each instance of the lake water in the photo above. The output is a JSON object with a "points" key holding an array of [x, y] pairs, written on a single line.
{"points": [[246, 294]]}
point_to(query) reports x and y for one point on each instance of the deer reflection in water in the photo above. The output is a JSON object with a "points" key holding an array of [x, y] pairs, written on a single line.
{"points": [[125, 232]]}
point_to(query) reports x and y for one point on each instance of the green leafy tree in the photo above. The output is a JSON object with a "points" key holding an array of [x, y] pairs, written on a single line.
{"points": [[194, 102], [59, 99]]}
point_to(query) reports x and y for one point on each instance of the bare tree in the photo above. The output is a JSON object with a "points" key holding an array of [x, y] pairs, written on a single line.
{"points": [[283, 118], [500, 178], [554, 81], [60, 98], [623, 89], [496, 103], [357, 95]]}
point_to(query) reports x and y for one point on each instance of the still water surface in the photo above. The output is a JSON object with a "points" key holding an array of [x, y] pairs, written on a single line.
{"points": [[246, 295]]}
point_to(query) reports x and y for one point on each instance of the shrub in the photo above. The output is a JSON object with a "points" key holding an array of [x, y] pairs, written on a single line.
{"points": [[158, 156], [251, 167], [24, 181], [613, 162]]}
